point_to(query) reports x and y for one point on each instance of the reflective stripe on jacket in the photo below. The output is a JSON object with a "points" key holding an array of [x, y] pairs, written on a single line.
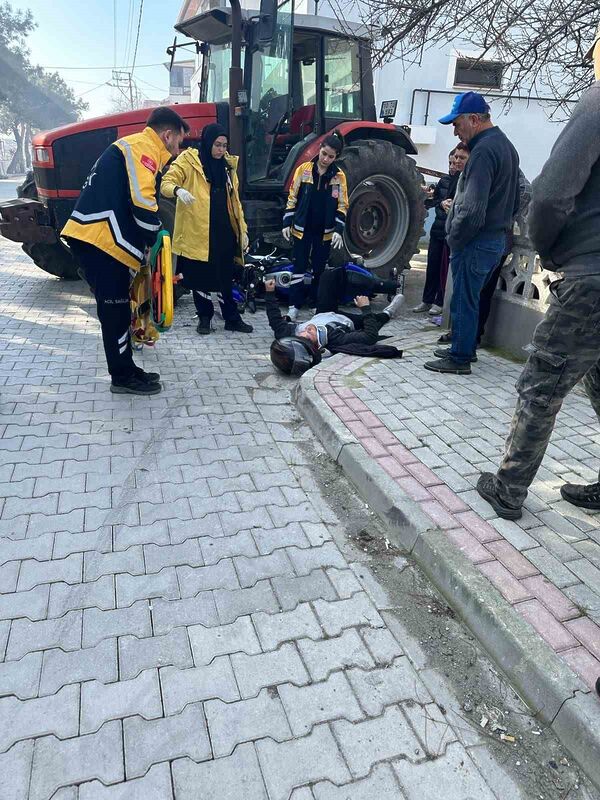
{"points": [[296, 211], [117, 210], [192, 222]]}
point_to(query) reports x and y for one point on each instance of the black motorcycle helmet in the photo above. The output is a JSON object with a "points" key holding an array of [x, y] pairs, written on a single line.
{"points": [[293, 355]]}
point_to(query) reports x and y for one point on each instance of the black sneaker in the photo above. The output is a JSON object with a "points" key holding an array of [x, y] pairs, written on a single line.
{"points": [[239, 325], [488, 489], [445, 338], [584, 495], [134, 385], [448, 366], [203, 326], [147, 377], [444, 352]]}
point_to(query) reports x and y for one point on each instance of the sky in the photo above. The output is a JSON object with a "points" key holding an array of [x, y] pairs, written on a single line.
{"points": [[77, 40]]}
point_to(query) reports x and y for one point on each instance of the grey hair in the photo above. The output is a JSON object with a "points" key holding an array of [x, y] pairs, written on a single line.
{"points": [[484, 117]]}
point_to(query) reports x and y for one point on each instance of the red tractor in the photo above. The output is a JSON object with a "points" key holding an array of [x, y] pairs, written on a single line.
{"points": [[300, 79]]}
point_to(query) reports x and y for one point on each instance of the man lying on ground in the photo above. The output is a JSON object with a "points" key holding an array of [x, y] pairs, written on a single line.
{"points": [[299, 346]]}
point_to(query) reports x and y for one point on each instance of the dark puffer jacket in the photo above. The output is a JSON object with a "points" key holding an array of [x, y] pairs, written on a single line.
{"points": [[444, 190]]}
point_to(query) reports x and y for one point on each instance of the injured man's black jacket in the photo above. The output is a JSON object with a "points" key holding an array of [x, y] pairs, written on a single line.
{"points": [[352, 334]]}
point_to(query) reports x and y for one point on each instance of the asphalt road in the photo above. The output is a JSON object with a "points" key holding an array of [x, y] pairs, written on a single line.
{"points": [[8, 188]]}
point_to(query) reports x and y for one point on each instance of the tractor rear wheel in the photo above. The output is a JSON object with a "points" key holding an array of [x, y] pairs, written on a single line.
{"points": [[386, 205]]}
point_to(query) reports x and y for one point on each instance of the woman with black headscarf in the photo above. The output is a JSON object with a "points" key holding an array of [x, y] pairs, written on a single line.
{"points": [[210, 230]]}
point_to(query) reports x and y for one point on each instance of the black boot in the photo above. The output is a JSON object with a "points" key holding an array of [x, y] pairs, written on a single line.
{"points": [[586, 495], [133, 385], [238, 325], [203, 326], [147, 377], [488, 489]]}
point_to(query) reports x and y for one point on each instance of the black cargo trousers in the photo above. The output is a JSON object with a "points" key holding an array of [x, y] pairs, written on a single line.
{"points": [[565, 349], [110, 282]]}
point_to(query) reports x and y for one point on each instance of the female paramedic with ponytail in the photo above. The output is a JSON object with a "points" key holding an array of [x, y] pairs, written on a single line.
{"points": [[315, 216]]}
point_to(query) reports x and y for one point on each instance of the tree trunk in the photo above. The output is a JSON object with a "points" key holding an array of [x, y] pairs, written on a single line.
{"points": [[27, 146], [17, 164]]}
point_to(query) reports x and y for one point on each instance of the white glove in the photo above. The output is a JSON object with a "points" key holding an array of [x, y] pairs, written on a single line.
{"points": [[286, 233], [337, 241], [187, 198]]}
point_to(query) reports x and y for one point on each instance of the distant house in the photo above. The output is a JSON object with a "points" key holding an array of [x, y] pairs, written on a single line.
{"points": [[180, 81]]}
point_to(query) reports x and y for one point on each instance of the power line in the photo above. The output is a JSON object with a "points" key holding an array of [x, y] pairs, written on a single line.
{"points": [[138, 66], [137, 38], [87, 91], [129, 27]]}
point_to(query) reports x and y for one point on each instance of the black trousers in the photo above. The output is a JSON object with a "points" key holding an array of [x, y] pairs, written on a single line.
{"points": [[309, 252], [109, 281], [432, 292], [205, 308]]}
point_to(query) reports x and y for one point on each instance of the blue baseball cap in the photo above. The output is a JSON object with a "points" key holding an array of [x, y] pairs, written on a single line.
{"points": [[466, 103]]}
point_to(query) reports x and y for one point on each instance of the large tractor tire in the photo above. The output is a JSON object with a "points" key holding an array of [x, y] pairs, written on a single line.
{"points": [[386, 205], [55, 259]]}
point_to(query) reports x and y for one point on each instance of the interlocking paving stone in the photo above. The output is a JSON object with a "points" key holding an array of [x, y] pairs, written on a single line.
{"points": [[28, 637], [231, 724], [98, 625], [324, 657], [252, 570], [15, 769], [311, 758], [31, 604], [466, 779], [357, 610], [136, 655], [183, 686], [363, 744], [256, 672], [102, 702], [273, 629], [131, 588], [197, 579], [155, 785], [39, 548], [177, 736], [381, 784], [96, 594], [94, 663], [26, 719], [237, 776], [319, 702], [239, 636], [292, 591], [21, 678], [169, 614], [378, 688], [175, 555], [234, 603], [59, 763]]}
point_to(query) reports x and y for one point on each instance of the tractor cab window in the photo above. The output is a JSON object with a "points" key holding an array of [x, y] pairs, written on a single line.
{"points": [[217, 78], [269, 95], [342, 79]]}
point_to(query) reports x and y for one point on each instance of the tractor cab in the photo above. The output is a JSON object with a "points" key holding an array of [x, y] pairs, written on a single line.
{"points": [[302, 78]]}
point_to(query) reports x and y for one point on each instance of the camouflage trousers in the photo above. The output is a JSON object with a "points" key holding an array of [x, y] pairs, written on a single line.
{"points": [[565, 350]]}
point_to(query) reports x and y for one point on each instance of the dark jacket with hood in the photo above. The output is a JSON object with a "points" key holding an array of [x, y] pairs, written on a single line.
{"points": [[339, 339], [444, 190]]}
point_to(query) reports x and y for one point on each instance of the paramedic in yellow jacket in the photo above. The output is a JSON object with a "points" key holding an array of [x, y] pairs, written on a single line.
{"points": [[315, 217], [114, 220], [210, 229]]}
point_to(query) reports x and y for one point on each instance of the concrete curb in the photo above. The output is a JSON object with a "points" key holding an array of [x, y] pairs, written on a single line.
{"points": [[544, 681]]}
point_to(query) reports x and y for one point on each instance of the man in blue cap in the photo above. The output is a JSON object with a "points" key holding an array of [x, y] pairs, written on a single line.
{"points": [[482, 213]]}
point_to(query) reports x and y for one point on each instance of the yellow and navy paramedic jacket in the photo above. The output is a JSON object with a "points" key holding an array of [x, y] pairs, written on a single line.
{"points": [[296, 211], [117, 210]]}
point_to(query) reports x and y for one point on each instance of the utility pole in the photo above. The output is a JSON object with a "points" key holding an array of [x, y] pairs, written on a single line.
{"points": [[123, 81]]}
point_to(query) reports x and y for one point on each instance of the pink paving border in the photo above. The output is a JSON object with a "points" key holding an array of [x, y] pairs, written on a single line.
{"points": [[548, 610]]}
